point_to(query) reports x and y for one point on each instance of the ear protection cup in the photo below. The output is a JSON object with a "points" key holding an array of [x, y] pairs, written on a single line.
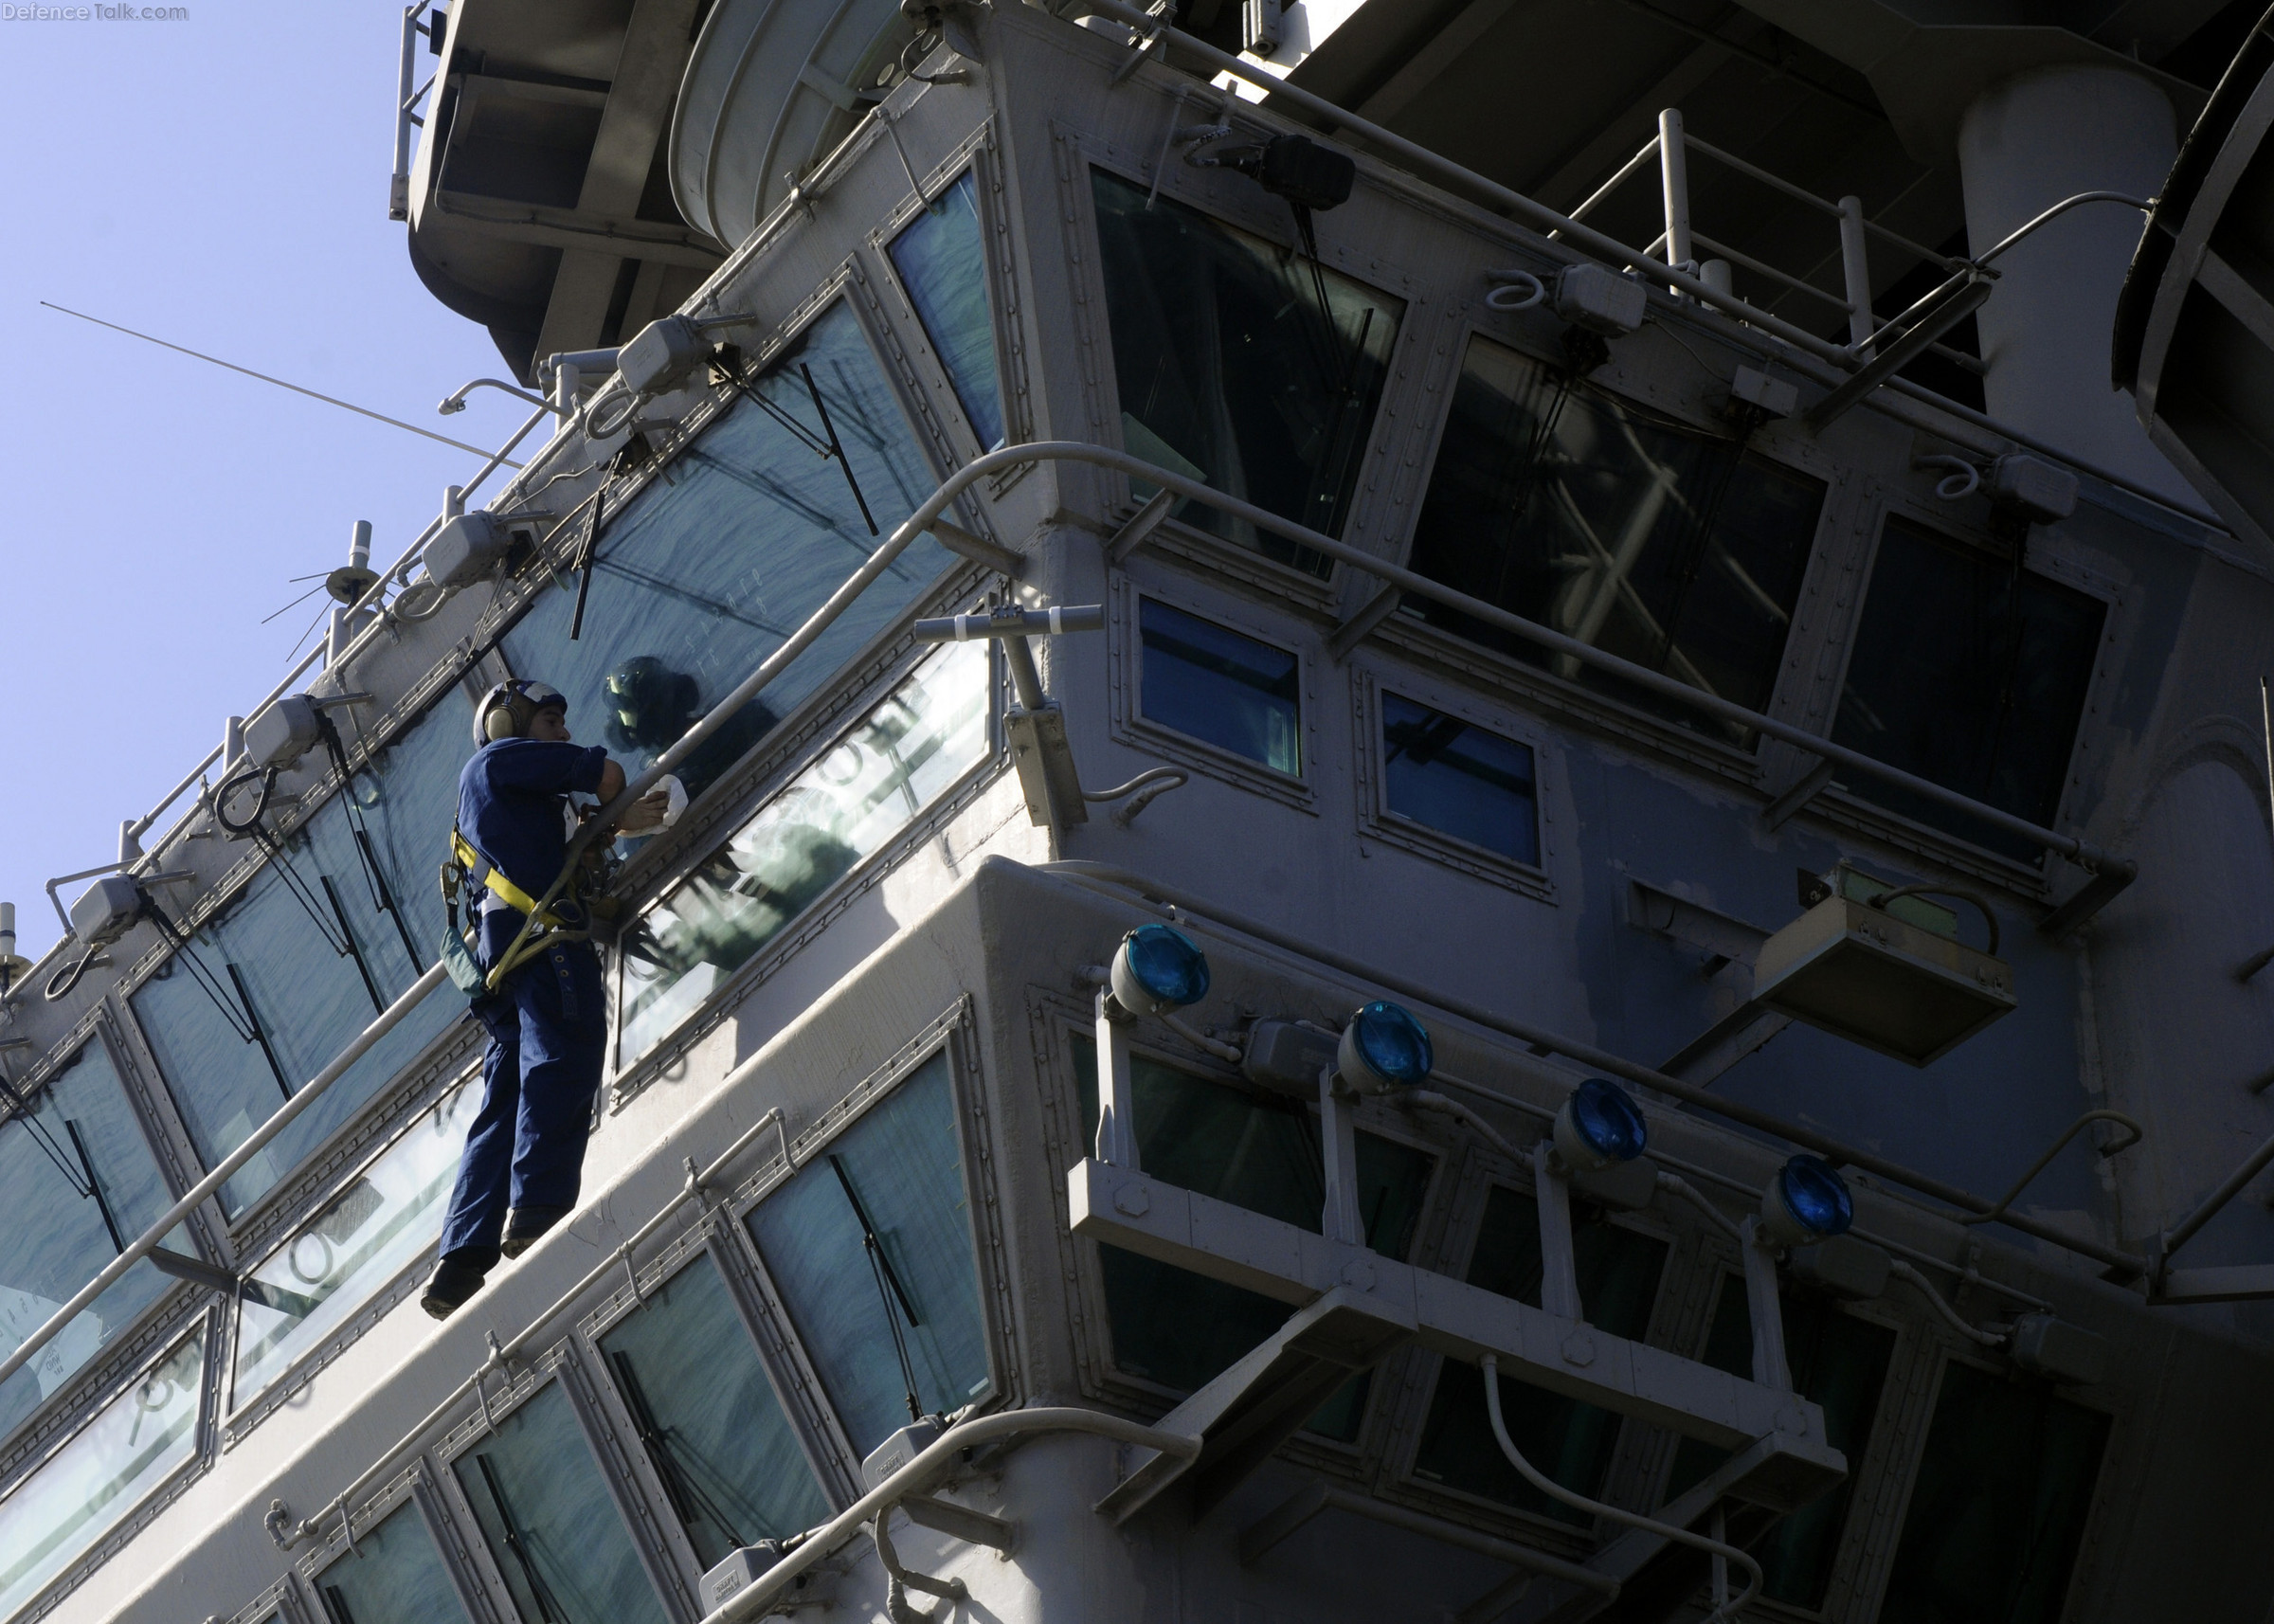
{"points": [[507, 709], [506, 719]]}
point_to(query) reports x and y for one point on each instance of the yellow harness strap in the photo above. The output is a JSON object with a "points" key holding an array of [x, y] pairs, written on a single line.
{"points": [[538, 929]]}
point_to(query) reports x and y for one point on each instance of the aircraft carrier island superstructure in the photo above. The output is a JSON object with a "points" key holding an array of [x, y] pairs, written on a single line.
{"points": [[1468, 835]]}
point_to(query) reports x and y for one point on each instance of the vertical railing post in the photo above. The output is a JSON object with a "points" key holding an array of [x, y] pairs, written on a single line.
{"points": [[1855, 267], [1559, 1266], [1766, 1310], [398, 192], [1673, 174], [1116, 1093], [1341, 1219]]}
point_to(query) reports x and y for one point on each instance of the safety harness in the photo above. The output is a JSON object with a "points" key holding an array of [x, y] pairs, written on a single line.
{"points": [[542, 925]]}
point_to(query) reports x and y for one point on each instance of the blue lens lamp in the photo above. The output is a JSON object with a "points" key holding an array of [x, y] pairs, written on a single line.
{"points": [[1806, 1202], [1384, 1050], [1599, 1126], [1157, 968]]}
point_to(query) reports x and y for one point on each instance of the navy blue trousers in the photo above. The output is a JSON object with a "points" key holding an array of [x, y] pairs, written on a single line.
{"points": [[548, 1031]]}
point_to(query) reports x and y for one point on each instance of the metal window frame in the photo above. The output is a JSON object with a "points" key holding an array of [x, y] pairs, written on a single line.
{"points": [[1369, 678], [1130, 727], [412, 1486]]}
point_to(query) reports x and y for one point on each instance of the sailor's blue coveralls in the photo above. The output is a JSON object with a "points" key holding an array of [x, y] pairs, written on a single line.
{"points": [[548, 1024]]}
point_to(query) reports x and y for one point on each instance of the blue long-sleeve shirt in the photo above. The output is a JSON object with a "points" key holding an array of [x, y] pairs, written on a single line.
{"points": [[511, 805]]}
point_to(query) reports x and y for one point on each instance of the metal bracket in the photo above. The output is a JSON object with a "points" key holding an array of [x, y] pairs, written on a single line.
{"points": [[961, 1522], [1960, 302], [1359, 624], [1743, 1031], [1044, 761], [977, 548], [1797, 795], [1147, 519]]}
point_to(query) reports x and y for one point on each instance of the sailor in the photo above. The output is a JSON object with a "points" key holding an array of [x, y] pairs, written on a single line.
{"points": [[544, 1014]]}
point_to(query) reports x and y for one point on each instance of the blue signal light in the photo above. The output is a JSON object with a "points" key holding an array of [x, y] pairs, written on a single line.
{"points": [[1815, 1198], [1598, 1127], [1158, 968], [1384, 1049]]}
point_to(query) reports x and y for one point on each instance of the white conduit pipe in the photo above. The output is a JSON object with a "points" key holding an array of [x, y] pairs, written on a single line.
{"points": [[1555, 1490], [1925, 1287]]}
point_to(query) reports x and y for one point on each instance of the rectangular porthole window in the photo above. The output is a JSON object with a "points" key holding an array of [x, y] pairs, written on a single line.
{"points": [[74, 1150], [1837, 1361], [864, 790], [1568, 1440], [551, 1526], [943, 264], [1232, 372], [395, 1576], [1462, 781], [711, 568], [1997, 1510], [1218, 686], [369, 1233], [292, 970], [1660, 544], [1969, 671], [1182, 1329], [91, 1484], [688, 1372], [871, 1246]]}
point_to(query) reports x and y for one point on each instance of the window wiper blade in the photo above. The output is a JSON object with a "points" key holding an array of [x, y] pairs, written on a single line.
{"points": [[549, 1610], [339, 911], [689, 1502], [836, 448], [94, 1187], [252, 1018], [881, 1268], [20, 1109]]}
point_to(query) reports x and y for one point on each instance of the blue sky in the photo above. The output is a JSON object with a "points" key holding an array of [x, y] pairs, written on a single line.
{"points": [[219, 182]]}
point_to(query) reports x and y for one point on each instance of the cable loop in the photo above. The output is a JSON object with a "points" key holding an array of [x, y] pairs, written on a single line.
{"points": [[1962, 481], [1510, 282]]}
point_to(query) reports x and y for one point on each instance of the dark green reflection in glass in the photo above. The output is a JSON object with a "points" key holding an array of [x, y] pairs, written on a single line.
{"points": [[857, 1307], [1972, 674], [1229, 370], [1661, 544], [711, 568], [1569, 1441], [1998, 1507], [394, 1577], [56, 1241], [285, 937], [1459, 779], [731, 1466], [1837, 1361], [1221, 686], [943, 264], [1260, 1152], [550, 1522]]}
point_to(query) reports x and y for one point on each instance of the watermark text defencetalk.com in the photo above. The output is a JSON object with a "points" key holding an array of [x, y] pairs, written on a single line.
{"points": [[94, 13]]}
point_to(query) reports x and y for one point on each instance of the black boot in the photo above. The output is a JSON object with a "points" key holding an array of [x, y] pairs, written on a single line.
{"points": [[457, 1276], [526, 1226]]}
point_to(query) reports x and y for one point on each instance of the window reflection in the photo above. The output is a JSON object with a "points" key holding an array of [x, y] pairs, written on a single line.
{"points": [[1229, 369], [1459, 779], [347, 1253], [289, 974], [550, 1522], [131, 1447], [876, 780], [712, 567], [870, 1246], [942, 263], [689, 1373], [1664, 546], [52, 1216], [1969, 672], [1567, 1438], [1220, 686], [395, 1576]]}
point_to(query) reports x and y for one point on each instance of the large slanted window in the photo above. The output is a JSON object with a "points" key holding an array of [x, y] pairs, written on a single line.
{"points": [[871, 1246], [66, 1154], [942, 259], [1969, 671], [1260, 1152], [268, 991], [1997, 1510], [1232, 372], [549, 1522], [1837, 1361], [91, 1484], [712, 567], [687, 1370], [1569, 1441], [395, 1577], [863, 792], [1664, 546]]}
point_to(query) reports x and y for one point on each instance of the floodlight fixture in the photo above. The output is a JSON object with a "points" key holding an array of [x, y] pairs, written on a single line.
{"points": [[1384, 1050], [1599, 1127]]}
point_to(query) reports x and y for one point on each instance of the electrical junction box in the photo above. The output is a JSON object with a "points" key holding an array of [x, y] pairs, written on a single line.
{"points": [[286, 732], [741, 1570], [899, 1450], [470, 548], [661, 354], [2044, 1346], [106, 909], [1599, 300], [1844, 1264], [1304, 173], [1287, 1055], [2038, 490], [1877, 977]]}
